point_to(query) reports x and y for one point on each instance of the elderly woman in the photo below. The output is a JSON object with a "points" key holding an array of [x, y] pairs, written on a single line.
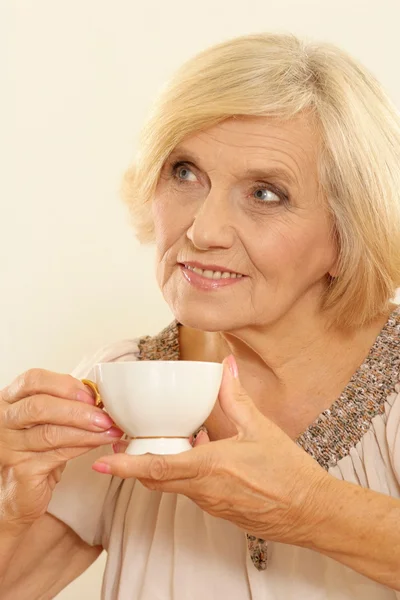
{"points": [[269, 179]]}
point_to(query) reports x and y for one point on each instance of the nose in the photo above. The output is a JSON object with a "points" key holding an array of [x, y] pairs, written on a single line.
{"points": [[212, 227]]}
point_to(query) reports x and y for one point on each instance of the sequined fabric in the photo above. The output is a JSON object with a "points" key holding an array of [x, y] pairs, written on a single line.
{"points": [[338, 429]]}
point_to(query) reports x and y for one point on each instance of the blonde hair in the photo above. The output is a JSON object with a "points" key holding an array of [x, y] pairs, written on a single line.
{"points": [[282, 76]]}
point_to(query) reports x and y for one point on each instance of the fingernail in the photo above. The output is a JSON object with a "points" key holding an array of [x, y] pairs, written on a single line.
{"points": [[101, 467], [102, 421], [233, 366], [114, 432]]}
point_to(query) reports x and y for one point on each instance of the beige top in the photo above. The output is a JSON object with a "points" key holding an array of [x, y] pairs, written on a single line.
{"points": [[164, 547]]}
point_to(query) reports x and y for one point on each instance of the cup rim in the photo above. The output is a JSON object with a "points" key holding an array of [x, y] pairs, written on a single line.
{"points": [[169, 362]]}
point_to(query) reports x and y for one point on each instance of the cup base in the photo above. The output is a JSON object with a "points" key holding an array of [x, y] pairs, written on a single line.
{"points": [[158, 446]]}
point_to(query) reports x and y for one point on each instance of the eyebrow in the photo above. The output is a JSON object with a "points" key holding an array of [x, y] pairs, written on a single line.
{"points": [[181, 154]]}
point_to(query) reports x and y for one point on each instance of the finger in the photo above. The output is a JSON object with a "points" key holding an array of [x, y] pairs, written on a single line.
{"points": [[60, 456], [55, 476], [120, 447], [40, 381], [44, 409], [235, 403], [201, 439], [187, 465], [43, 438], [41, 463], [187, 487]]}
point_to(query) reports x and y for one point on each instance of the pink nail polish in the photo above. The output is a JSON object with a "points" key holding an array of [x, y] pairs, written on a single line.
{"points": [[233, 366], [101, 467], [114, 432], [102, 420]]}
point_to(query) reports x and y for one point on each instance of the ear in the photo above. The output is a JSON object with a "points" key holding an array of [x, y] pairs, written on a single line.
{"points": [[334, 270]]}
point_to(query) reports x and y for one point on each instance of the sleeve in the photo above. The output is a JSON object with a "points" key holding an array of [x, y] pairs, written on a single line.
{"points": [[78, 498], [393, 431]]}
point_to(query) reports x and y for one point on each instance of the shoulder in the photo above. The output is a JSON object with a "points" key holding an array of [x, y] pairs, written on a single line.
{"points": [[123, 350], [380, 371], [384, 359], [163, 346]]}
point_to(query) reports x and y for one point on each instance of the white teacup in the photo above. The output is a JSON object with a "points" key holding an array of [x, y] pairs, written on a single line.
{"points": [[159, 404]]}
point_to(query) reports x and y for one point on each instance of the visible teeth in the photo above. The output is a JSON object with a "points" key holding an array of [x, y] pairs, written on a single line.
{"points": [[213, 274]]}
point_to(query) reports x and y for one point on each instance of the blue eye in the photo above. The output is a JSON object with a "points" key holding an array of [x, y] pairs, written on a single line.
{"points": [[265, 195], [183, 174]]}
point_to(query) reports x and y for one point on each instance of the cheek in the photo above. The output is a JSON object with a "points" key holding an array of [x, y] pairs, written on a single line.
{"points": [[170, 236], [299, 247], [170, 223], [160, 220], [162, 238]]}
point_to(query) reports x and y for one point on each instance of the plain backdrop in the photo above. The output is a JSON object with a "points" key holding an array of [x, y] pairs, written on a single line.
{"points": [[77, 78]]}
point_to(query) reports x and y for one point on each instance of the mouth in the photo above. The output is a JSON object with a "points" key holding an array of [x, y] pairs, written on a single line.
{"points": [[209, 278], [212, 272]]}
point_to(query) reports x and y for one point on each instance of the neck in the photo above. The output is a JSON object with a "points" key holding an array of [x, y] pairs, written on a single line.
{"points": [[293, 368], [285, 351]]}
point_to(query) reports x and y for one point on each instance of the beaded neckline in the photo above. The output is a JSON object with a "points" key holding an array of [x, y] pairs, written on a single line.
{"points": [[336, 430], [339, 428]]}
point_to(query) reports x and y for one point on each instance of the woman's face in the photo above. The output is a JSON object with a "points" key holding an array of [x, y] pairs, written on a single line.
{"points": [[242, 198]]}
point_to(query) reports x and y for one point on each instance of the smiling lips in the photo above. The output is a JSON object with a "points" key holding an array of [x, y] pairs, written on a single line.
{"points": [[209, 277]]}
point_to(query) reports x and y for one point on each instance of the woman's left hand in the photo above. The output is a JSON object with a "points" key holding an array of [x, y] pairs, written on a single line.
{"points": [[259, 479]]}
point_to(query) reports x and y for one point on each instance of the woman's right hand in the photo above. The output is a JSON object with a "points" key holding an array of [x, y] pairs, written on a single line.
{"points": [[46, 419]]}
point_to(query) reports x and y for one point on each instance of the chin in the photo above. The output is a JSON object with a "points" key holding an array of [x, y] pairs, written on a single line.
{"points": [[208, 319]]}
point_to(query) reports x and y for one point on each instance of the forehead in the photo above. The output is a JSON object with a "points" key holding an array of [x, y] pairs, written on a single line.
{"points": [[242, 142]]}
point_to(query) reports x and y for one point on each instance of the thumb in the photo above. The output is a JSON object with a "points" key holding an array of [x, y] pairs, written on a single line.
{"points": [[235, 403]]}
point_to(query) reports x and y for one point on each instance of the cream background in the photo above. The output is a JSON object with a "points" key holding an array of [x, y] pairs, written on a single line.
{"points": [[77, 78]]}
